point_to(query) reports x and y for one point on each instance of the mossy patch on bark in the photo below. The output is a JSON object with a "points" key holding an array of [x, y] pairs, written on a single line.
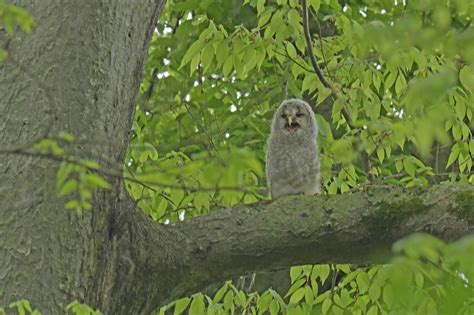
{"points": [[464, 208], [390, 215]]}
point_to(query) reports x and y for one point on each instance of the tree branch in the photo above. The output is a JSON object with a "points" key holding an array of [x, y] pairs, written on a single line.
{"points": [[354, 228], [309, 47], [326, 84]]}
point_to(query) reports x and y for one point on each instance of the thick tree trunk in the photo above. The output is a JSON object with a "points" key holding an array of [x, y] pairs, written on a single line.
{"points": [[79, 72]]}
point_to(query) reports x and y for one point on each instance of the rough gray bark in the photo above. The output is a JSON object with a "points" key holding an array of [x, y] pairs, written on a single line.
{"points": [[79, 72], [351, 228]]}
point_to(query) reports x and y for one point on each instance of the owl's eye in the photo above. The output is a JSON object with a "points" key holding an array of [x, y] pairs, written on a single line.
{"points": [[283, 116], [299, 114]]}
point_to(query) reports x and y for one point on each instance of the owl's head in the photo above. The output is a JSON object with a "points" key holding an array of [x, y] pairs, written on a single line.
{"points": [[295, 117]]}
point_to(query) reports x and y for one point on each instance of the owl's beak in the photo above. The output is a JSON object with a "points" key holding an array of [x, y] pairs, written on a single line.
{"points": [[290, 120]]}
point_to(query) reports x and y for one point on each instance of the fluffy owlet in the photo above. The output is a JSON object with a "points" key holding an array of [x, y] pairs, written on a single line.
{"points": [[292, 165]]}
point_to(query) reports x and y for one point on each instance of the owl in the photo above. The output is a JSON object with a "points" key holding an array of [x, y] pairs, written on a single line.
{"points": [[292, 161]]}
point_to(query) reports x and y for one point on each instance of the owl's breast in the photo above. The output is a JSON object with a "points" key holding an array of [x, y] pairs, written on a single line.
{"points": [[292, 163]]}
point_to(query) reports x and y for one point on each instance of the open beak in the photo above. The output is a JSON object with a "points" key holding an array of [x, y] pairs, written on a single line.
{"points": [[292, 124]]}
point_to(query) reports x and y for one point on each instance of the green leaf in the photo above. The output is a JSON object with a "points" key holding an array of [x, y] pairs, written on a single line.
{"points": [[373, 310], [94, 180], [293, 3], [374, 292], [315, 288], [222, 52], [391, 77], [310, 82], [66, 136], [3, 55], [324, 272], [72, 204], [264, 302], [207, 56], [466, 76], [380, 154], [250, 59], [399, 165], [388, 297], [315, 4], [460, 110], [453, 155], [63, 172], [274, 307], [181, 305], [177, 196], [260, 6], [197, 306], [90, 164], [229, 300], [295, 273], [291, 50], [323, 93], [376, 80], [69, 187], [220, 293], [261, 53], [228, 65], [322, 297], [419, 280], [346, 299], [192, 52], [400, 84], [295, 285], [294, 19], [194, 63], [308, 295], [297, 296], [326, 305], [409, 167], [265, 17], [363, 281]]}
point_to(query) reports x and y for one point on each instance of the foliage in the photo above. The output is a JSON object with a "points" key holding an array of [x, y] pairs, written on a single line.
{"points": [[401, 114], [76, 178], [78, 308], [433, 280], [403, 73], [10, 17], [426, 276], [23, 307]]}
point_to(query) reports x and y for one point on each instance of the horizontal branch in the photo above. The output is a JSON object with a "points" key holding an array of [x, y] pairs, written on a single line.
{"points": [[357, 228]]}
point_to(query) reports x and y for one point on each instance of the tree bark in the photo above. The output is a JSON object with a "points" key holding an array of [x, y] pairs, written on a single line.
{"points": [[359, 228], [79, 72]]}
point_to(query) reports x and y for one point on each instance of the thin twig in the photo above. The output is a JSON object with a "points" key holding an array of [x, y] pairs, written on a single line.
{"points": [[174, 211], [208, 135], [148, 93], [309, 47], [118, 174], [137, 181], [322, 49], [293, 60], [334, 94]]}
